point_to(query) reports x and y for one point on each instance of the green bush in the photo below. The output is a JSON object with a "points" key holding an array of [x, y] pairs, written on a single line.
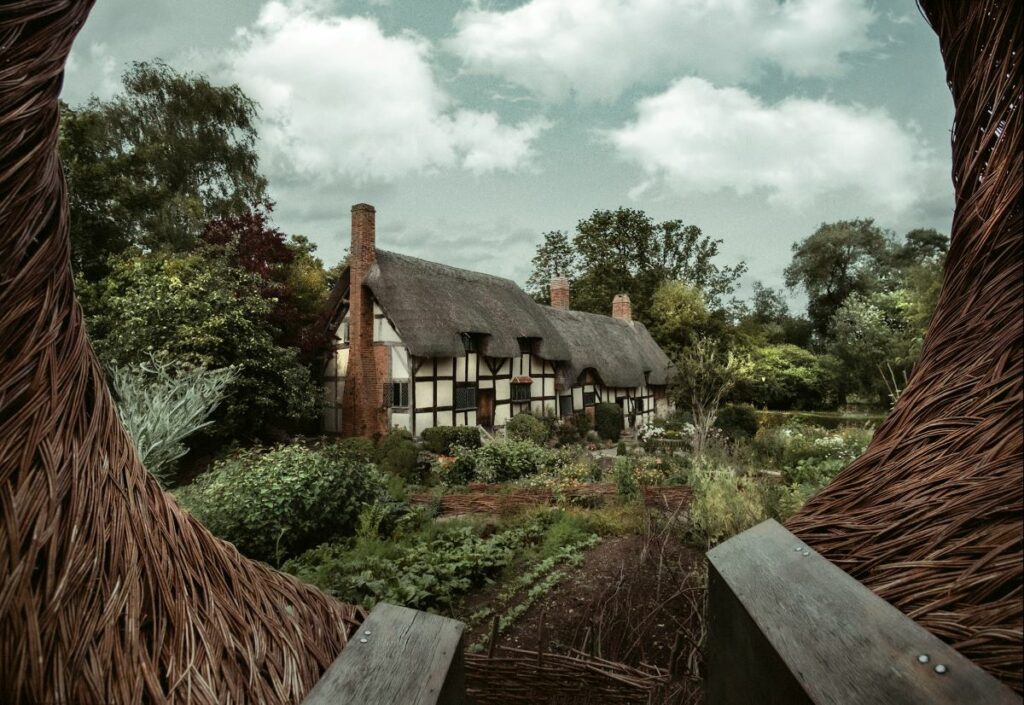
{"points": [[526, 427], [428, 571], [397, 454], [441, 439], [572, 429], [358, 447], [199, 309], [502, 461], [816, 472], [620, 449], [737, 421], [277, 503], [608, 421]]}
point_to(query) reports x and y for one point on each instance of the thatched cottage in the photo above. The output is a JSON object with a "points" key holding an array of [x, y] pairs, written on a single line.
{"points": [[418, 344]]}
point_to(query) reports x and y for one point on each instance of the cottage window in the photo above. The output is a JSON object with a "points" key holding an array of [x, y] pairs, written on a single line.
{"points": [[525, 345], [396, 394], [469, 342], [638, 405], [465, 397], [565, 405], [521, 391], [589, 398]]}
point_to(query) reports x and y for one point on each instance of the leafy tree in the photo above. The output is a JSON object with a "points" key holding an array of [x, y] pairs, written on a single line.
{"points": [[555, 256], [678, 315], [922, 246], [789, 377], [292, 278], [705, 374], [152, 165], [838, 260], [768, 321], [627, 251], [876, 343], [200, 310]]}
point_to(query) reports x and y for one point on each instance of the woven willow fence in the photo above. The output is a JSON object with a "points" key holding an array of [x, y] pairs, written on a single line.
{"points": [[930, 517], [111, 594]]}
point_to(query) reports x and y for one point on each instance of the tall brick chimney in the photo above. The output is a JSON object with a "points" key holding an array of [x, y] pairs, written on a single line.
{"points": [[560, 292], [364, 393], [621, 308]]}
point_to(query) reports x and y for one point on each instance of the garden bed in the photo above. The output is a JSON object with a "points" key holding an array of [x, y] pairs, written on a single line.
{"points": [[483, 498]]}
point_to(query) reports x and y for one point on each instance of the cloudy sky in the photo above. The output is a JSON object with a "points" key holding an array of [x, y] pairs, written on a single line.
{"points": [[475, 126]]}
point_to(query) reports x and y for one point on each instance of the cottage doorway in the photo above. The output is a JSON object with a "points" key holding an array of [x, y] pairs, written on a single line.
{"points": [[485, 408]]}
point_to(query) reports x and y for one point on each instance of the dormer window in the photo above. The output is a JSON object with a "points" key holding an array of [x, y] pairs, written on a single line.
{"points": [[526, 345], [470, 342]]}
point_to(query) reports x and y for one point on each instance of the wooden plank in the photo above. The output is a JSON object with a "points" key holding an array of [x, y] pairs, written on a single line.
{"points": [[399, 657], [788, 626]]}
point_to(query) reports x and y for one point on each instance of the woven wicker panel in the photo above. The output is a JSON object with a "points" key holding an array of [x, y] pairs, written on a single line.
{"points": [[110, 592], [930, 517]]}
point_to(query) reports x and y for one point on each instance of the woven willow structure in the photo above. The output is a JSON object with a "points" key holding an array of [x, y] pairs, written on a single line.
{"points": [[930, 517], [111, 594]]}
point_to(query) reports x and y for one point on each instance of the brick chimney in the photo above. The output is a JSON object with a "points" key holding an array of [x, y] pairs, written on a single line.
{"points": [[364, 392], [621, 308], [560, 292]]}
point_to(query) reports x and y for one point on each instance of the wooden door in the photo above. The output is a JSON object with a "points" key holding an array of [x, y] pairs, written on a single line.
{"points": [[485, 407]]}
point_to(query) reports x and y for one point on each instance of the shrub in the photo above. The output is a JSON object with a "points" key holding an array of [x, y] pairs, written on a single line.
{"points": [[507, 460], [526, 427], [724, 504], [620, 449], [458, 468], [359, 448], [608, 421], [397, 454], [200, 309], [441, 439], [277, 503], [161, 404], [816, 472], [428, 571], [566, 433], [737, 421]]}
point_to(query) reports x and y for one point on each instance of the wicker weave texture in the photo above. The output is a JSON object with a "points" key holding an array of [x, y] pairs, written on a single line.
{"points": [[930, 517], [111, 594]]}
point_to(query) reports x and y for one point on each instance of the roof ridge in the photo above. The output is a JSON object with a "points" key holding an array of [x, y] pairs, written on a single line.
{"points": [[450, 267]]}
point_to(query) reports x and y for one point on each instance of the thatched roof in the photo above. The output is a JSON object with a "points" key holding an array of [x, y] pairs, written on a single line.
{"points": [[431, 305], [621, 352]]}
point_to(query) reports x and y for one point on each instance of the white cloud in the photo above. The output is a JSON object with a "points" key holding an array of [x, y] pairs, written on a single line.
{"points": [[599, 48], [97, 67], [340, 98], [696, 138]]}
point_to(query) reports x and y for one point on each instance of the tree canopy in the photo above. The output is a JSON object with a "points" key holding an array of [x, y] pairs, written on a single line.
{"points": [[151, 166], [625, 250]]}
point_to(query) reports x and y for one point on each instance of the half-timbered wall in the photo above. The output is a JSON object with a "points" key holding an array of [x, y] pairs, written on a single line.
{"points": [[433, 384]]}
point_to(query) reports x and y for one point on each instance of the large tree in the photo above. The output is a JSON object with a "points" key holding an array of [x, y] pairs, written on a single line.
{"points": [[839, 259], [154, 164], [627, 251], [292, 278]]}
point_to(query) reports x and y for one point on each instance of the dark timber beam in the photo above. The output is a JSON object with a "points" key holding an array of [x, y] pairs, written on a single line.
{"points": [[788, 627], [399, 656]]}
